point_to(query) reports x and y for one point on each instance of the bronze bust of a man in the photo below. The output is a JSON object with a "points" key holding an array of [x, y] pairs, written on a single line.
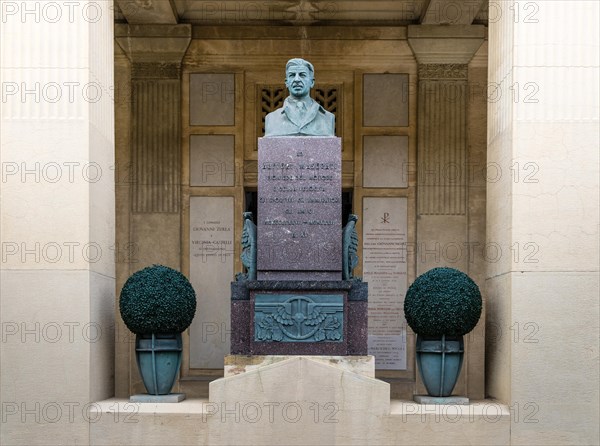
{"points": [[300, 115]]}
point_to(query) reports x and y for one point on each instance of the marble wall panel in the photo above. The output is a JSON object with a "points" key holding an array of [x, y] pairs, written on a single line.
{"points": [[211, 272], [212, 99], [385, 100], [385, 161], [385, 236], [212, 160]]}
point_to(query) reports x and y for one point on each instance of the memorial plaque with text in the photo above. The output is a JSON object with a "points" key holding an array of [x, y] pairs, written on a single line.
{"points": [[211, 272], [299, 208], [385, 268]]}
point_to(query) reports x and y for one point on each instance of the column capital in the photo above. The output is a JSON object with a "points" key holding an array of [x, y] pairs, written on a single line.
{"points": [[452, 44], [154, 50], [450, 71], [137, 12]]}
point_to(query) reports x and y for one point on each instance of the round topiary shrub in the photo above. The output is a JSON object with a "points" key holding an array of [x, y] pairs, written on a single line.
{"points": [[443, 301], [157, 299]]}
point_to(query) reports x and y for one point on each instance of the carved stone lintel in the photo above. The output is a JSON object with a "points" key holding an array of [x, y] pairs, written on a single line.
{"points": [[451, 71]]}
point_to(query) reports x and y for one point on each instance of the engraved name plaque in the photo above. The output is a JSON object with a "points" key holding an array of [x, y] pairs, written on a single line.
{"points": [[299, 208]]}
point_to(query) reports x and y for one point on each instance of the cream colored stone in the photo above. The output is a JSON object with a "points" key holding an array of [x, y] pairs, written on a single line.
{"points": [[57, 289], [555, 330], [498, 205], [119, 422], [497, 339], [362, 365], [302, 393], [102, 336], [544, 310], [51, 165], [481, 422], [557, 164], [200, 421], [57, 353]]}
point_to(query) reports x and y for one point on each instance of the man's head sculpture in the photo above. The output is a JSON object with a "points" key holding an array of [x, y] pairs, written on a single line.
{"points": [[300, 115], [299, 77]]}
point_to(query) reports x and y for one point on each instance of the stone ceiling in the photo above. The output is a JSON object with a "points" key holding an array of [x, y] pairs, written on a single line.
{"points": [[302, 12]]}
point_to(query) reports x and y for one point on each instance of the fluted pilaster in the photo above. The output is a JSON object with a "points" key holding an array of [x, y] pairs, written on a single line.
{"points": [[442, 139], [156, 114]]}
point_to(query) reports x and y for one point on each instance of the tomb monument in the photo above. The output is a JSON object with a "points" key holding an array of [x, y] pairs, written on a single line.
{"points": [[298, 295]]}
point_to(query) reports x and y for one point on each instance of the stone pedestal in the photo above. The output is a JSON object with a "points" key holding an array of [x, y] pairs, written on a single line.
{"points": [[299, 305], [426, 399], [146, 398], [299, 318]]}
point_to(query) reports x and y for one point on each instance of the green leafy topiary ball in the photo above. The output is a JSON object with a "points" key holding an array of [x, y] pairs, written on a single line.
{"points": [[442, 301], [157, 299]]}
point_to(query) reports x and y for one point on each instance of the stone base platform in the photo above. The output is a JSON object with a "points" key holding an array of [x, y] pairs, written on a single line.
{"points": [[298, 401], [361, 365], [201, 422]]}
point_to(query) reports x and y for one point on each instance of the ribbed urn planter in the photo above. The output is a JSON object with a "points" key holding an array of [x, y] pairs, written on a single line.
{"points": [[439, 362], [157, 304], [158, 358], [441, 306]]}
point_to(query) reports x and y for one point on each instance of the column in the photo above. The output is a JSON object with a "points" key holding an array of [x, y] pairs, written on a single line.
{"points": [[446, 148], [57, 273], [542, 217], [149, 160]]}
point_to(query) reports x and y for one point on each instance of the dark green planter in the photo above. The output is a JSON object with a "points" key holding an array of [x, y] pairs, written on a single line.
{"points": [[158, 358], [439, 361]]}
